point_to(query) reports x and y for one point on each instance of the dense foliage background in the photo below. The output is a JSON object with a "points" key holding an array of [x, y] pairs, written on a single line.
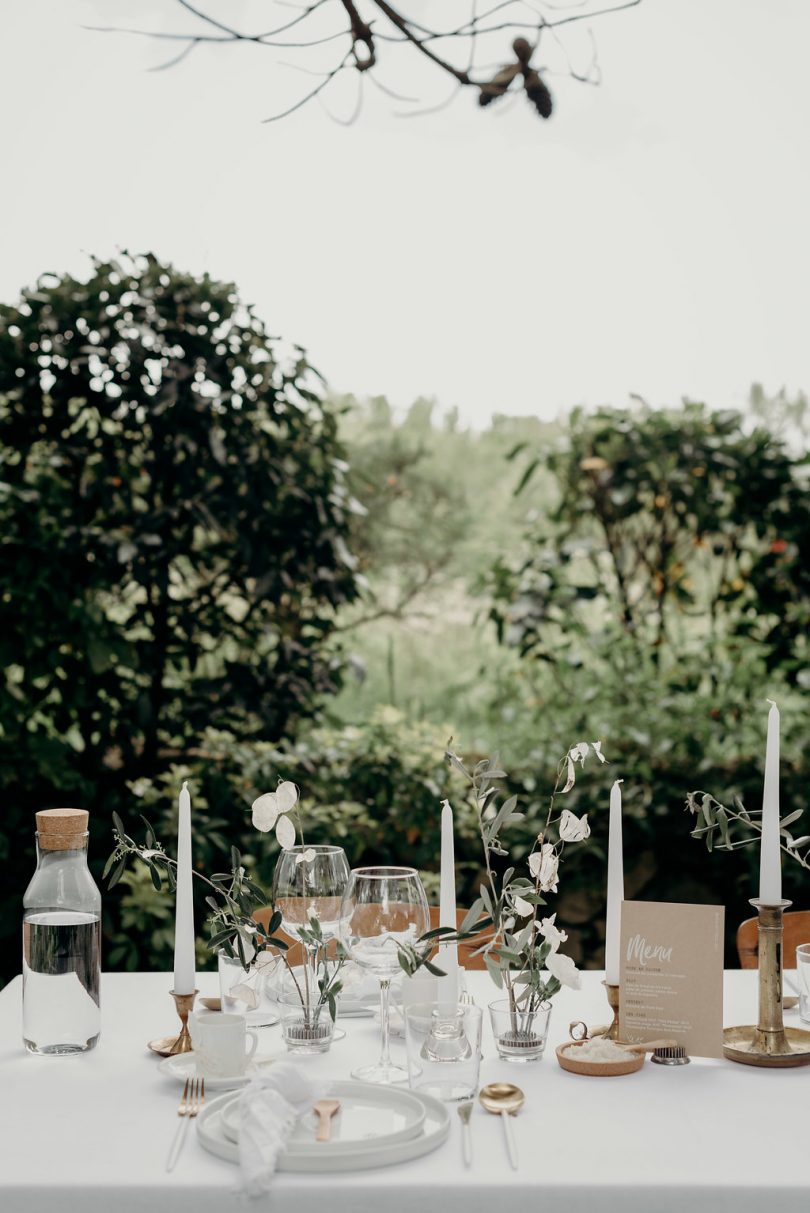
{"points": [[211, 570]]}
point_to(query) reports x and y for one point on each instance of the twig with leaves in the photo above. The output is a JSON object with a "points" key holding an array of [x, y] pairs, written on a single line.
{"points": [[234, 897], [729, 829], [522, 954]]}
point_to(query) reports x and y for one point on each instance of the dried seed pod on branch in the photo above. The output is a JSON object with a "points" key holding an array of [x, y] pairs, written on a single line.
{"points": [[374, 34]]}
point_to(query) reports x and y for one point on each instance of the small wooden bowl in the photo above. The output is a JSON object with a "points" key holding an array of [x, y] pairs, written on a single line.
{"points": [[567, 1057]]}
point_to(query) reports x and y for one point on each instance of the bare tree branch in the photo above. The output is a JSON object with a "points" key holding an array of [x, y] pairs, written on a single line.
{"points": [[518, 74], [328, 78]]}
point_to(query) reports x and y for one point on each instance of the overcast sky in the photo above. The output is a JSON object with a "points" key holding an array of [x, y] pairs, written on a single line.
{"points": [[650, 238]]}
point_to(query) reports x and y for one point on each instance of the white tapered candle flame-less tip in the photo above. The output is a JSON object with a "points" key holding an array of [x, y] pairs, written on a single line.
{"points": [[615, 886], [447, 956], [184, 961], [770, 868]]}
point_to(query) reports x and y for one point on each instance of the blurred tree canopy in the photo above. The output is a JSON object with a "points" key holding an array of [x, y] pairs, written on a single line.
{"points": [[666, 532], [192, 533], [175, 519]]}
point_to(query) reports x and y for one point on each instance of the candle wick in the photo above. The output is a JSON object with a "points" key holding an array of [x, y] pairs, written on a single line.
{"points": [[185, 785], [616, 782], [772, 702]]}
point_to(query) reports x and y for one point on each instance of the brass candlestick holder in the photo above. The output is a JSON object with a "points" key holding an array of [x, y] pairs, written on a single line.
{"points": [[769, 1043], [169, 1046], [611, 1032]]}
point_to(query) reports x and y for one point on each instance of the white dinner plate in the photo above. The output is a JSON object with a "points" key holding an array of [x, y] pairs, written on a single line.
{"points": [[184, 1065], [366, 1155], [367, 1114]]}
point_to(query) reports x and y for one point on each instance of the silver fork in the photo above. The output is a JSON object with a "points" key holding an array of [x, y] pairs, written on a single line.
{"points": [[192, 1099]]}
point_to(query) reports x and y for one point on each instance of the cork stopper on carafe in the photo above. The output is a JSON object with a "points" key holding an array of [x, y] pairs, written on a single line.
{"points": [[61, 829]]}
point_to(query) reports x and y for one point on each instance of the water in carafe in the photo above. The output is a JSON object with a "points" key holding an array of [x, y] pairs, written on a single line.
{"points": [[61, 940]]}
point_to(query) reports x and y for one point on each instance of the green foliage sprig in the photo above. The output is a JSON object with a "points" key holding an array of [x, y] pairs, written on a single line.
{"points": [[232, 900], [522, 954], [233, 930], [729, 829]]}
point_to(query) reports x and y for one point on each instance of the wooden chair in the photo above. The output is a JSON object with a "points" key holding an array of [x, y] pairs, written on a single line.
{"points": [[797, 930], [295, 955], [466, 949], [466, 959]]}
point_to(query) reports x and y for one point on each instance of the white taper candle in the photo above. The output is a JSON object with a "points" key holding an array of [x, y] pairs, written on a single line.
{"points": [[770, 868], [447, 958], [184, 962], [615, 887]]}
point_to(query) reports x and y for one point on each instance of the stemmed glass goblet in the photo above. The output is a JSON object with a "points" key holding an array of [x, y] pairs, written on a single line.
{"points": [[382, 909], [309, 882]]}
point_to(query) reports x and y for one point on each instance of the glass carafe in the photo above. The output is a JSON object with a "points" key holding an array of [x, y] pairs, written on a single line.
{"points": [[61, 940]]}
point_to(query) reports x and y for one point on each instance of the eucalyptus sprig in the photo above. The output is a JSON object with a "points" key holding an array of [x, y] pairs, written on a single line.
{"points": [[522, 954], [232, 900], [234, 897], [728, 829]]}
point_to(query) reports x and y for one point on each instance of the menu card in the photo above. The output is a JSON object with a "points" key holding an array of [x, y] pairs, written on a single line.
{"points": [[671, 975]]}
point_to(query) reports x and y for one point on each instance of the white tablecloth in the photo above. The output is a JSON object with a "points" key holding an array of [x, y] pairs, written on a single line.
{"points": [[91, 1133]]}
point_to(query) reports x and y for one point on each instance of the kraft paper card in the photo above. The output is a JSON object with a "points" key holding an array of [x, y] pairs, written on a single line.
{"points": [[671, 975]]}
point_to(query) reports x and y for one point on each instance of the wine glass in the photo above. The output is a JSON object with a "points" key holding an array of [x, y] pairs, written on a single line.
{"points": [[382, 909], [309, 882]]}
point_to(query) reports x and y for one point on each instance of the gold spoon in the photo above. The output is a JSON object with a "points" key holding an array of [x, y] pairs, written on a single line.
{"points": [[504, 1100], [325, 1109]]}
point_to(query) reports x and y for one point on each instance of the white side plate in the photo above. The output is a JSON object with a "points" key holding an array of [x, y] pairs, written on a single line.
{"points": [[184, 1065]]}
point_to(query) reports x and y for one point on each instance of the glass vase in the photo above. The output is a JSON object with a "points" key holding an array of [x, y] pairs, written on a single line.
{"points": [[520, 1034], [306, 1023]]}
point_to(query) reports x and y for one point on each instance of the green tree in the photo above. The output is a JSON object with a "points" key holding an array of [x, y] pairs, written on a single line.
{"points": [[174, 517], [661, 516]]}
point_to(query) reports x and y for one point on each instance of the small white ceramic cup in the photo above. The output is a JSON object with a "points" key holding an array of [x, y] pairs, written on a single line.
{"points": [[223, 1045]]}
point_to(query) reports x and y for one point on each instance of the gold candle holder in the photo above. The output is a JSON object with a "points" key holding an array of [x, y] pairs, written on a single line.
{"points": [[169, 1046], [611, 1032], [769, 1043]]}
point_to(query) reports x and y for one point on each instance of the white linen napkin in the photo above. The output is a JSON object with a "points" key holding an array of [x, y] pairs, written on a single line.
{"points": [[268, 1109]]}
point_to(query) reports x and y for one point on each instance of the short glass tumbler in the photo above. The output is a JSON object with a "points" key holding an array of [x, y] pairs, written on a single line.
{"points": [[520, 1035], [444, 1049], [306, 1024], [305, 1031], [803, 975], [254, 988]]}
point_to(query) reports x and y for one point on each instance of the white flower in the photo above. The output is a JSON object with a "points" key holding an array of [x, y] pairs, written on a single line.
{"points": [[573, 828], [551, 934], [577, 754], [306, 856], [285, 833], [543, 866], [564, 969], [272, 808], [265, 812], [287, 796], [266, 960], [522, 908], [245, 994]]}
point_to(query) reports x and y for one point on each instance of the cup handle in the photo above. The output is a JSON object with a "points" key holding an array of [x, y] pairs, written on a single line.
{"points": [[253, 1038]]}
